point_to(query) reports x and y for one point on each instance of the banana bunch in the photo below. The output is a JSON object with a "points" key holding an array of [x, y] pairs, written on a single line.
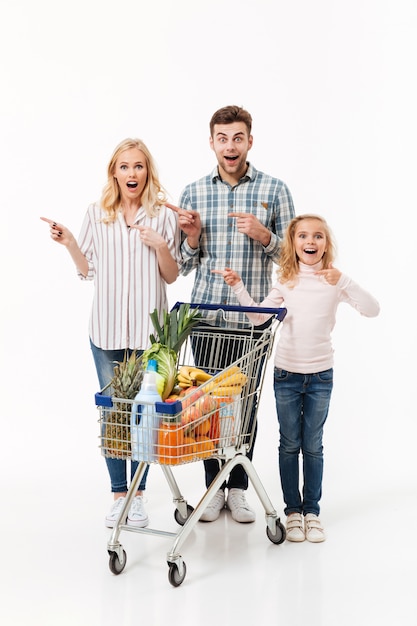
{"points": [[227, 383], [190, 376]]}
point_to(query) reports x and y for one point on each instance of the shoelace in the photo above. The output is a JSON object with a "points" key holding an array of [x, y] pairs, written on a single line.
{"points": [[137, 507], [117, 506], [238, 501], [216, 502]]}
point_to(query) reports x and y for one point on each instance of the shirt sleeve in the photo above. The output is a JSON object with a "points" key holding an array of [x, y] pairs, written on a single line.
{"points": [[190, 256], [357, 297], [85, 242], [273, 300], [284, 214], [173, 236]]}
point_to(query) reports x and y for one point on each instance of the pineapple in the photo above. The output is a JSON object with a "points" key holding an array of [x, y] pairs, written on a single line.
{"points": [[124, 385]]}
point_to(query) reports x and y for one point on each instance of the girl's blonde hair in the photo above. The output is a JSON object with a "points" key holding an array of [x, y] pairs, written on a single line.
{"points": [[153, 195], [288, 259]]}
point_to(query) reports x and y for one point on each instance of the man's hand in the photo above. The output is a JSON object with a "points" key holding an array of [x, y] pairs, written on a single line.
{"points": [[249, 225]]}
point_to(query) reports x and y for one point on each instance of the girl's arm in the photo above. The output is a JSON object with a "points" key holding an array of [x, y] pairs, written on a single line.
{"points": [[273, 300], [357, 297]]}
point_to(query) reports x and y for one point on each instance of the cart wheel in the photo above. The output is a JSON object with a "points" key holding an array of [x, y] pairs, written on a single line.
{"points": [[279, 535], [179, 518], [116, 567], [174, 576]]}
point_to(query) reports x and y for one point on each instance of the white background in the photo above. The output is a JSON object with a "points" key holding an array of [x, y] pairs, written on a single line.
{"points": [[331, 88]]}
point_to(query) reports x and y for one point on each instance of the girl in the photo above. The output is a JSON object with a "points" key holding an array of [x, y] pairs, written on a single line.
{"points": [[129, 246], [311, 290]]}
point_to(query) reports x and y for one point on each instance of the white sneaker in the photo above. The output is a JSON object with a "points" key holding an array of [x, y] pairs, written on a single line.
{"points": [[212, 511], [239, 508], [113, 515], [137, 515], [313, 528], [294, 527]]}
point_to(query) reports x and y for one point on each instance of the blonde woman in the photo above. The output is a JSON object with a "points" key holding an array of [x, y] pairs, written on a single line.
{"points": [[129, 246]]}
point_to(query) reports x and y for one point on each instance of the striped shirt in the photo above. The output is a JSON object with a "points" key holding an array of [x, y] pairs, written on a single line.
{"points": [[127, 280], [221, 245]]}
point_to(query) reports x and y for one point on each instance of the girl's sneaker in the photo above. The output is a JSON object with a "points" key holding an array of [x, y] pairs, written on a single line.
{"points": [[313, 529], [295, 528]]}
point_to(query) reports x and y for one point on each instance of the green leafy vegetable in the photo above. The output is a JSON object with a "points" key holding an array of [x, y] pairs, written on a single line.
{"points": [[167, 341]]}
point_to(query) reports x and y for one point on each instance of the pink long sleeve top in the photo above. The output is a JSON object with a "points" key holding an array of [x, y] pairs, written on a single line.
{"points": [[305, 345]]}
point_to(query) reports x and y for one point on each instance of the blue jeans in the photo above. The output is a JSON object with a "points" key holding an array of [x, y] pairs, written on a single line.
{"points": [[104, 361], [302, 402]]}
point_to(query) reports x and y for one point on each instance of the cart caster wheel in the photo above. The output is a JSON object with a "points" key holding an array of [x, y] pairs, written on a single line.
{"points": [[179, 518], [174, 576], [279, 535], [116, 567]]}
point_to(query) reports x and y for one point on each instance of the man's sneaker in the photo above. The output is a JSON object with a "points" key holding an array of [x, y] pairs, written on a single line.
{"points": [[137, 515], [239, 508], [294, 527], [113, 514], [212, 511], [313, 528]]}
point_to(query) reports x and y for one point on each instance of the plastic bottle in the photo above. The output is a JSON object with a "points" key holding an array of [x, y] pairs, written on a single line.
{"points": [[144, 421], [170, 441]]}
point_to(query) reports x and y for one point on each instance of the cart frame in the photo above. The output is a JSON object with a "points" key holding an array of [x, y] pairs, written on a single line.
{"points": [[255, 349]]}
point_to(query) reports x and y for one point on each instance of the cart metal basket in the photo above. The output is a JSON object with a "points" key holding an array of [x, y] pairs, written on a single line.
{"points": [[217, 418]]}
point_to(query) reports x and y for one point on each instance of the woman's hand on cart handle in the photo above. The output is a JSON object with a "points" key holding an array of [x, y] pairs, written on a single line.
{"points": [[231, 277]]}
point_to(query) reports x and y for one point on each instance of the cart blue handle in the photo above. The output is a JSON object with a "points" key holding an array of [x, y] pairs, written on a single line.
{"points": [[280, 313]]}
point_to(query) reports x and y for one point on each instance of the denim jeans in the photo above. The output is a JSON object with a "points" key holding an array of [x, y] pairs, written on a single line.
{"points": [[104, 361], [302, 402]]}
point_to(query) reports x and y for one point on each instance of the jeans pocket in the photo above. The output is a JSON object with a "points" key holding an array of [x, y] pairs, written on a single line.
{"points": [[280, 374], [326, 376]]}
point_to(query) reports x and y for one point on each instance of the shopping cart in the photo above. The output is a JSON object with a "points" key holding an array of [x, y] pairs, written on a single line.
{"points": [[216, 419]]}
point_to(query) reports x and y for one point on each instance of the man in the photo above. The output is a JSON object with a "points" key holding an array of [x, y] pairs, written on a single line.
{"points": [[234, 217]]}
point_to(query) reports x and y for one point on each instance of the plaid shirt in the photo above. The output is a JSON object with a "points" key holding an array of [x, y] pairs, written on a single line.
{"points": [[221, 245]]}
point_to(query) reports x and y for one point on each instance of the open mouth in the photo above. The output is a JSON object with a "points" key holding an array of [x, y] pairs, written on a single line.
{"points": [[310, 251], [231, 158], [132, 185]]}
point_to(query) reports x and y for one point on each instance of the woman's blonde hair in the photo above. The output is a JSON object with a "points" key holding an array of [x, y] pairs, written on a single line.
{"points": [[153, 195], [288, 259]]}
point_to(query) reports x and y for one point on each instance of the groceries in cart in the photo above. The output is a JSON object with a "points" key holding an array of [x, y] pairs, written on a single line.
{"points": [[192, 423], [166, 412]]}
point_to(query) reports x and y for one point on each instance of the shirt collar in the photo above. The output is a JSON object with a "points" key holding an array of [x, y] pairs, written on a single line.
{"points": [[250, 174]]}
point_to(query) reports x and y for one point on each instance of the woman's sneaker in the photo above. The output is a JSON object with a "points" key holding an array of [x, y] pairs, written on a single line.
{"points": [[313, 529], [137, 515], [295, 528], [113, 515]]}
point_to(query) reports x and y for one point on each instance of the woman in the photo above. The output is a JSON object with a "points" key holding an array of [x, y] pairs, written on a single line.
{"points": [[129, 246]]}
